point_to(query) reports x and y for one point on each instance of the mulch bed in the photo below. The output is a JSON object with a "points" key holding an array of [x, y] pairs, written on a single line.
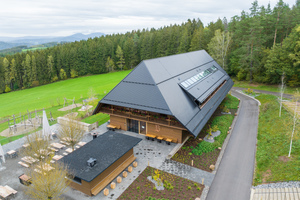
{"points": [[142, 188], [202, 162]]}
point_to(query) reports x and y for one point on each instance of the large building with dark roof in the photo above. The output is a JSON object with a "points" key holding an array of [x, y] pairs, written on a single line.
{"points": [[168, 97], [100, 161]]}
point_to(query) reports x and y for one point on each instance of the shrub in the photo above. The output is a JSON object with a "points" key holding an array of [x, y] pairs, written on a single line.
{"points": [[203, 147], [62, 74], [7, 89], [35, 83], [55, 78], [214, 128], [74, 73]]}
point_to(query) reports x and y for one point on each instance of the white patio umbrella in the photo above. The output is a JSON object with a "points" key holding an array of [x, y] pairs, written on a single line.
{"points": [[2, 153], [46, 127]]}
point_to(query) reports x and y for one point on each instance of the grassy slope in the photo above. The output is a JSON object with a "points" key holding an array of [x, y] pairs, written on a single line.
{"points": [[40, 97], [259, 86], [273, 142]]}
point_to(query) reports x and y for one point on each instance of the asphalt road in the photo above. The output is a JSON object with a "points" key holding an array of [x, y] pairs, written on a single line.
{"points": [[233, 179]]}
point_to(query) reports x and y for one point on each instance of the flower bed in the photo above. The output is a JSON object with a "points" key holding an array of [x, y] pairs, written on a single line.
{"points": [[175, 187]]}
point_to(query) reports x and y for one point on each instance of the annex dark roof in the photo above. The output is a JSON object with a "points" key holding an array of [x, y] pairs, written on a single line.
{"points": [[106, 149], [158, 85]]}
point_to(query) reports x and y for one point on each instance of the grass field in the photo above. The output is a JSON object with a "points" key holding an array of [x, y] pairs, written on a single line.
{"points": [[33, 49], [46, 95], [259, 86], [273, 140]]}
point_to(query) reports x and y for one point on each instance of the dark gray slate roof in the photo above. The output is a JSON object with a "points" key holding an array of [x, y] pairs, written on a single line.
{"points": [[106, 148], [155, 86]]}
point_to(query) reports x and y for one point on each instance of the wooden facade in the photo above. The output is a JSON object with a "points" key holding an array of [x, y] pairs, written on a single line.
{"points": [[103, 179], [144, 122]]}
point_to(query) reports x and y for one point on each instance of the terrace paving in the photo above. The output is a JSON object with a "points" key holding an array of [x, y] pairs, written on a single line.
{"points": [[146, 152]]}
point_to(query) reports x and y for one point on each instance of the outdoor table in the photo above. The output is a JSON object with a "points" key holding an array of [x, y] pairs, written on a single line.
{"points": [[46, 167], [25, 180], [69, 150], [81, 143], [12, 153], [57, 157], [29, 159], [68, 139], [64, 142], [4, 193], [26, 145], [57, 145], [11, 190]]}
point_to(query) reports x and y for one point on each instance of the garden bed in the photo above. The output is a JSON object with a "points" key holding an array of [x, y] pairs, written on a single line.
{"points": [[201, 154], [175, 187]]}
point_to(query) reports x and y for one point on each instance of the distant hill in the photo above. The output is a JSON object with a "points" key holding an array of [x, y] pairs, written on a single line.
{"points": [[9, 42]]}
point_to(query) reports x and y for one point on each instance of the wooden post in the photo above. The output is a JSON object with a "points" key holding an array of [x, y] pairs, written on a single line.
{"points": [[134, 164], [124, 174], [119, 179], [113, 185], [130, 169], [202, 181], [192, 162], [106, 191]]}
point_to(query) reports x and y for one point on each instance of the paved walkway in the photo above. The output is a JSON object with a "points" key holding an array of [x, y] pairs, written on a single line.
{"points": [[233, 179], [276, 194]]}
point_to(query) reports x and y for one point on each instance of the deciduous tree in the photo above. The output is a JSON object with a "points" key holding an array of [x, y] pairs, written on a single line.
{"points": [[219, 46]]}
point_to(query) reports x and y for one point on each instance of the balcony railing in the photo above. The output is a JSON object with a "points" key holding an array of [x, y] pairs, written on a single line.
{"points": [[150, 117]]}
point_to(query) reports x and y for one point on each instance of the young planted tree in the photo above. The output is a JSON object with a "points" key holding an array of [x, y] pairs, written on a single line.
{"points": [[49, 182], [295, 119], [282, 88], [71, 131], [38, 147]]}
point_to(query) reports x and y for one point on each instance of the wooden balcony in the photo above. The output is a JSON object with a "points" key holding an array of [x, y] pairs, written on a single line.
{"points": [[142, 116]]}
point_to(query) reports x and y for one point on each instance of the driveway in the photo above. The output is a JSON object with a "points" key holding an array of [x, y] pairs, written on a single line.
{"points": [[233, 179]]}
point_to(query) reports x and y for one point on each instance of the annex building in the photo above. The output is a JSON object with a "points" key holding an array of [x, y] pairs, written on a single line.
{"points": [[168, 97], [100, 161]]}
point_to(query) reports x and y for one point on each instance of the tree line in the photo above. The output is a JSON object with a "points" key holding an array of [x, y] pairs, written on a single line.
{"points": [[259, 45]]}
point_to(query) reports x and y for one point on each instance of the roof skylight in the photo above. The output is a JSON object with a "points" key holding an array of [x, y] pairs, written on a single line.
{"points": [[198, 77]]}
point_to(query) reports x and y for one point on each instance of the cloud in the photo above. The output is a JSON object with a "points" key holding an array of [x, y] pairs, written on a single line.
{"points": [[65, 17]]}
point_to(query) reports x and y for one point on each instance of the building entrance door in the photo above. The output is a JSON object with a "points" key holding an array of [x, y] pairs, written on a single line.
{"points": [[133, 125], [143, 128]]}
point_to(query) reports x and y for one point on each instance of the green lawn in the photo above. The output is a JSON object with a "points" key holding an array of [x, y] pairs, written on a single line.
{"points": [[33, 49], [43, 96], [259, 86], [273, 140]]}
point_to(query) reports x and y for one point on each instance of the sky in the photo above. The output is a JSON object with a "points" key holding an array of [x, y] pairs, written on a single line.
{"points": [[67, 17]]}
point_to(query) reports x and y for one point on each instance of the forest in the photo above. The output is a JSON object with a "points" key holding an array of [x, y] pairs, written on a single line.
{"points": [[260, 45]]}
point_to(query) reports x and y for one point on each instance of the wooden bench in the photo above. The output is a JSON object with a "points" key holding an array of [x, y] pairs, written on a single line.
{"points": [[169, 140], [148, 136], [112, 127], [23, 164], [159, 139]]}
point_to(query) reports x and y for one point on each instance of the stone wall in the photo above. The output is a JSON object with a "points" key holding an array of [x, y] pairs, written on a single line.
{"points": [[84, 126]]}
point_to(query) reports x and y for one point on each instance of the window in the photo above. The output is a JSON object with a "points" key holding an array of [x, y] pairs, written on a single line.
{"points": [[198, 77], [76, 179]]}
